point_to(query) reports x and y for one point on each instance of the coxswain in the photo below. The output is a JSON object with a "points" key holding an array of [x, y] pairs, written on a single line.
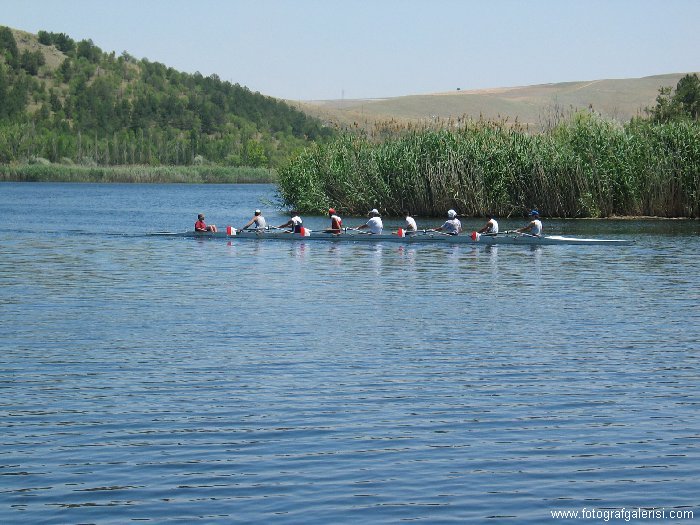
{"points": [[201, 226], [534, 227]]}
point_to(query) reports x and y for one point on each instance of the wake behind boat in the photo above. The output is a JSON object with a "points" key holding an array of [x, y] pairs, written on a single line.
{"points": [[419, 237]]}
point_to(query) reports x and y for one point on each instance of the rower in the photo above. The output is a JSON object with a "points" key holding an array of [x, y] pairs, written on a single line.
{"points": [[374, 223], [534, 227], [491, 226], [258, 220], [411, 226], [452, 226], [295, 223], [201, 226], [336, 222]]}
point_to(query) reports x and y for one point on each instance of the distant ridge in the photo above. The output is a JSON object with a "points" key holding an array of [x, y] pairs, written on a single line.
{"points": [[534, 106]]}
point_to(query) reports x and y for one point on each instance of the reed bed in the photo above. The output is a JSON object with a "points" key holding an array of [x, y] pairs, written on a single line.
{"points": [[584, 167], [136, 174]]}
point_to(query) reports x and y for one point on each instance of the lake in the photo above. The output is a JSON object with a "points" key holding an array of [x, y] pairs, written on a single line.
{"points": [[155, 379]]}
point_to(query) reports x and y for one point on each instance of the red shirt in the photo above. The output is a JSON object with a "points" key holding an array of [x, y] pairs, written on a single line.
{"points": [[336, 223], [200, 226]]}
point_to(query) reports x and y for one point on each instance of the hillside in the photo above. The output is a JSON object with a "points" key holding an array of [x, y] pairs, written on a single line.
{"points": [[536, 106], [70, 102]]}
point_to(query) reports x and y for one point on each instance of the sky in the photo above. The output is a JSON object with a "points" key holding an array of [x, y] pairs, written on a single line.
{"points": [[354, 49]]}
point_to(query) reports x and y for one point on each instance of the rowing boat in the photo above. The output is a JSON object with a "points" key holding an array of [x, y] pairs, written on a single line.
{"points": [[419, 237]]}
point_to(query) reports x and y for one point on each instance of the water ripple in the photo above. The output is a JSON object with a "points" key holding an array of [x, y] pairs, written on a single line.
{"points": [[178, 380]]}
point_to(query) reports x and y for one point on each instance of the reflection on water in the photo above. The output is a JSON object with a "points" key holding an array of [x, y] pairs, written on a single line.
{"points": [[149, 378]]}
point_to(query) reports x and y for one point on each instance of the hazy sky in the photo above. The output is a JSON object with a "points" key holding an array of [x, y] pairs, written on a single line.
{"points": [[329, 49]]}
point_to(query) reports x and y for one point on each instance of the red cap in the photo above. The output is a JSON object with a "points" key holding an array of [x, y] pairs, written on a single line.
{"points": [[331, 211]]}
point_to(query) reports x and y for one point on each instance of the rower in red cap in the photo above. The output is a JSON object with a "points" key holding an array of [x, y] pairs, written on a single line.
{"points": [[336, 222]]}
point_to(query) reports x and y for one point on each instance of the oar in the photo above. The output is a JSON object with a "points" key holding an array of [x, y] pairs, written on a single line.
{"points": [[516, 232], [257, 231], [438, 232], [358, 230], [504, 232], [476, 235], [284, 230]]}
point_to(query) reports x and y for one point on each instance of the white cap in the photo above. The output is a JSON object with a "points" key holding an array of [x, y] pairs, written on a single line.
{"points": [[451, 214], [373, 211], [257, 212]]}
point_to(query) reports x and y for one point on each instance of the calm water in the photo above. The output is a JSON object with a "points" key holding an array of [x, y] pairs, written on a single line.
{"points": [[159, 379]]}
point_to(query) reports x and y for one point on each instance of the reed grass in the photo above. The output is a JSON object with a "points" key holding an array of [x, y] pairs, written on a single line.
{"points": [[42, 172], [584, 167]]}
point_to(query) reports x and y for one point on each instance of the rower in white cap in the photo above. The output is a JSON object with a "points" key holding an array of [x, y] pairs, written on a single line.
{"points": [[374, 223], [258, 220], [452, 224]]}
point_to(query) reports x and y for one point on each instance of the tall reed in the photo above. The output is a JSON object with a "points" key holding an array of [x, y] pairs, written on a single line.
{"points": [[584, 167]]}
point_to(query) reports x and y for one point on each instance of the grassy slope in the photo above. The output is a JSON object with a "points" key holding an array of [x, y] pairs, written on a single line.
{"points": [[28, 41], [620, 99]]}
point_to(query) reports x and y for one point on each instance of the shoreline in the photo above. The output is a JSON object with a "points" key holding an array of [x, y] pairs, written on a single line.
{"points": [[136, 174], [141, 174]]}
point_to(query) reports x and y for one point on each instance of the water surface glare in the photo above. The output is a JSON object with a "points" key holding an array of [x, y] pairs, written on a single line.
{"points": [[155, 379]]}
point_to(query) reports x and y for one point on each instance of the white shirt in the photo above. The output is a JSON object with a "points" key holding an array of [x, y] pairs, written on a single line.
{"points": [[536, 227], [411, 224], [452, 226], [260, 222], [296, 220], [493, 226], [375, 225]]}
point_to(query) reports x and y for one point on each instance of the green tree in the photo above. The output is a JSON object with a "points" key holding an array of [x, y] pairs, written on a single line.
{"points": [[65, 70], [4, 86], [688, 95], [31, 61], [63, 42], [44, 38], [86, 49], [682, 104], [255, 154], [8, 47]]}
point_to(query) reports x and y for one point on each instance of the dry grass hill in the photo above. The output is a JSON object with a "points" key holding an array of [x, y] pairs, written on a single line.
{"points": [[536, 106]]}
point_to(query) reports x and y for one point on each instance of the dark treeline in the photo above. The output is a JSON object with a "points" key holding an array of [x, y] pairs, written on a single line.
{"points": [[583, 167], [96, 108]]}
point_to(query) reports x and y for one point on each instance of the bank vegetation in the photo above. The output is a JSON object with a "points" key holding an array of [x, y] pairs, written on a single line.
{"points": [[41, 170], [584, 166]]}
